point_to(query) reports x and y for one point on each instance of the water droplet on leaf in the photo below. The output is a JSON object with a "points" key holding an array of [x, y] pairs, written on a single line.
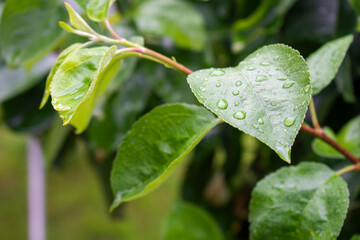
{"points": [[240, 115], [218, 85], [238, 83], [261, 121], [250, 68], [264, 64], [261, 78], [222, 104], [235, 92], [289, 121], [288, 84], [217, 72]]}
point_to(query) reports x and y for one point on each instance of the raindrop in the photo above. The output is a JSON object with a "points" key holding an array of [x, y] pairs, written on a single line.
{"points": [[240, 115], [255, 126], [222, 104], [261, 121], [211, 93], [238, 83], [276, 58], [273, 104], [307, 88], [235, 92], [202, 89], [197, 77], [217, 72], [282, 78], [289, 121], [237, 103], [264, 64], [288, 84], [218, 85], [261, 78], [250, 68], [288, 73], [260, 130]]}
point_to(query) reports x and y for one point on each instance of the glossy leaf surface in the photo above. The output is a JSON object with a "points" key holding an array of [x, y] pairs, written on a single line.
{"points": [[304, 202], [187, 221], [61, 58], [79, 82], [154, 146], [325, 62], [166, 19], [266, 95], [348, 137], [29, 29]]}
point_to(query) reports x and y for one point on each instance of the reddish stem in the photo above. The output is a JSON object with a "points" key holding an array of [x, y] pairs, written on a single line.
{"points": [[334, 144]]}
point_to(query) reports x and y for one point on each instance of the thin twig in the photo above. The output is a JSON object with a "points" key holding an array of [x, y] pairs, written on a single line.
{"points": [[331, 142], [314, 117]]}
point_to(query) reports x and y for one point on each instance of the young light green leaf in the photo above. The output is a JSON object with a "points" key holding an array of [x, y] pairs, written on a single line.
{"points": [[325, 62], [79, 82], [16, 81], [77, 21], [348, 137], [190, 222], [28, 29], [154, 146], [63, 55], [266, 95], [97, 9], [166, 19], [308, 201]]}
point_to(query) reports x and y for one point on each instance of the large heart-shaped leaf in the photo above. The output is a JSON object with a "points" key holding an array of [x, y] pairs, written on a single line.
{"points": [[187, 221], [154, 146], [79, 82], [266, 95], [29, 29], [308, 201], [325, 62], [348, 137]]}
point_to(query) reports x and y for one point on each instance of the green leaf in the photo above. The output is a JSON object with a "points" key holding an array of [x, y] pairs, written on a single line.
{"points": [[79, 82], [348, 137], [63, 55], [266, 95], [308, 201], [325, 62], [166, 19], [154, 146], [28, 29], [344, 81], [190, 222], [97, 9], [77, 21], [14, 82]]}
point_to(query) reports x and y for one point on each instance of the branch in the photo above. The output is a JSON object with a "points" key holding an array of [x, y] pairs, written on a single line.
{"points": [[321, 135]]}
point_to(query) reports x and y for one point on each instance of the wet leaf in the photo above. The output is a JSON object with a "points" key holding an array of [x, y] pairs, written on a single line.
{"points": [[325, 62], [61, 58], [348, 137], [25, 35], [154, 146], [190, 222], [308, 201], [266, 95], [79, 82], [166, 19]]}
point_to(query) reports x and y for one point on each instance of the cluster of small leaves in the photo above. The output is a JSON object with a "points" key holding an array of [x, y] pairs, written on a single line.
{"points": [[266, 95]]}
